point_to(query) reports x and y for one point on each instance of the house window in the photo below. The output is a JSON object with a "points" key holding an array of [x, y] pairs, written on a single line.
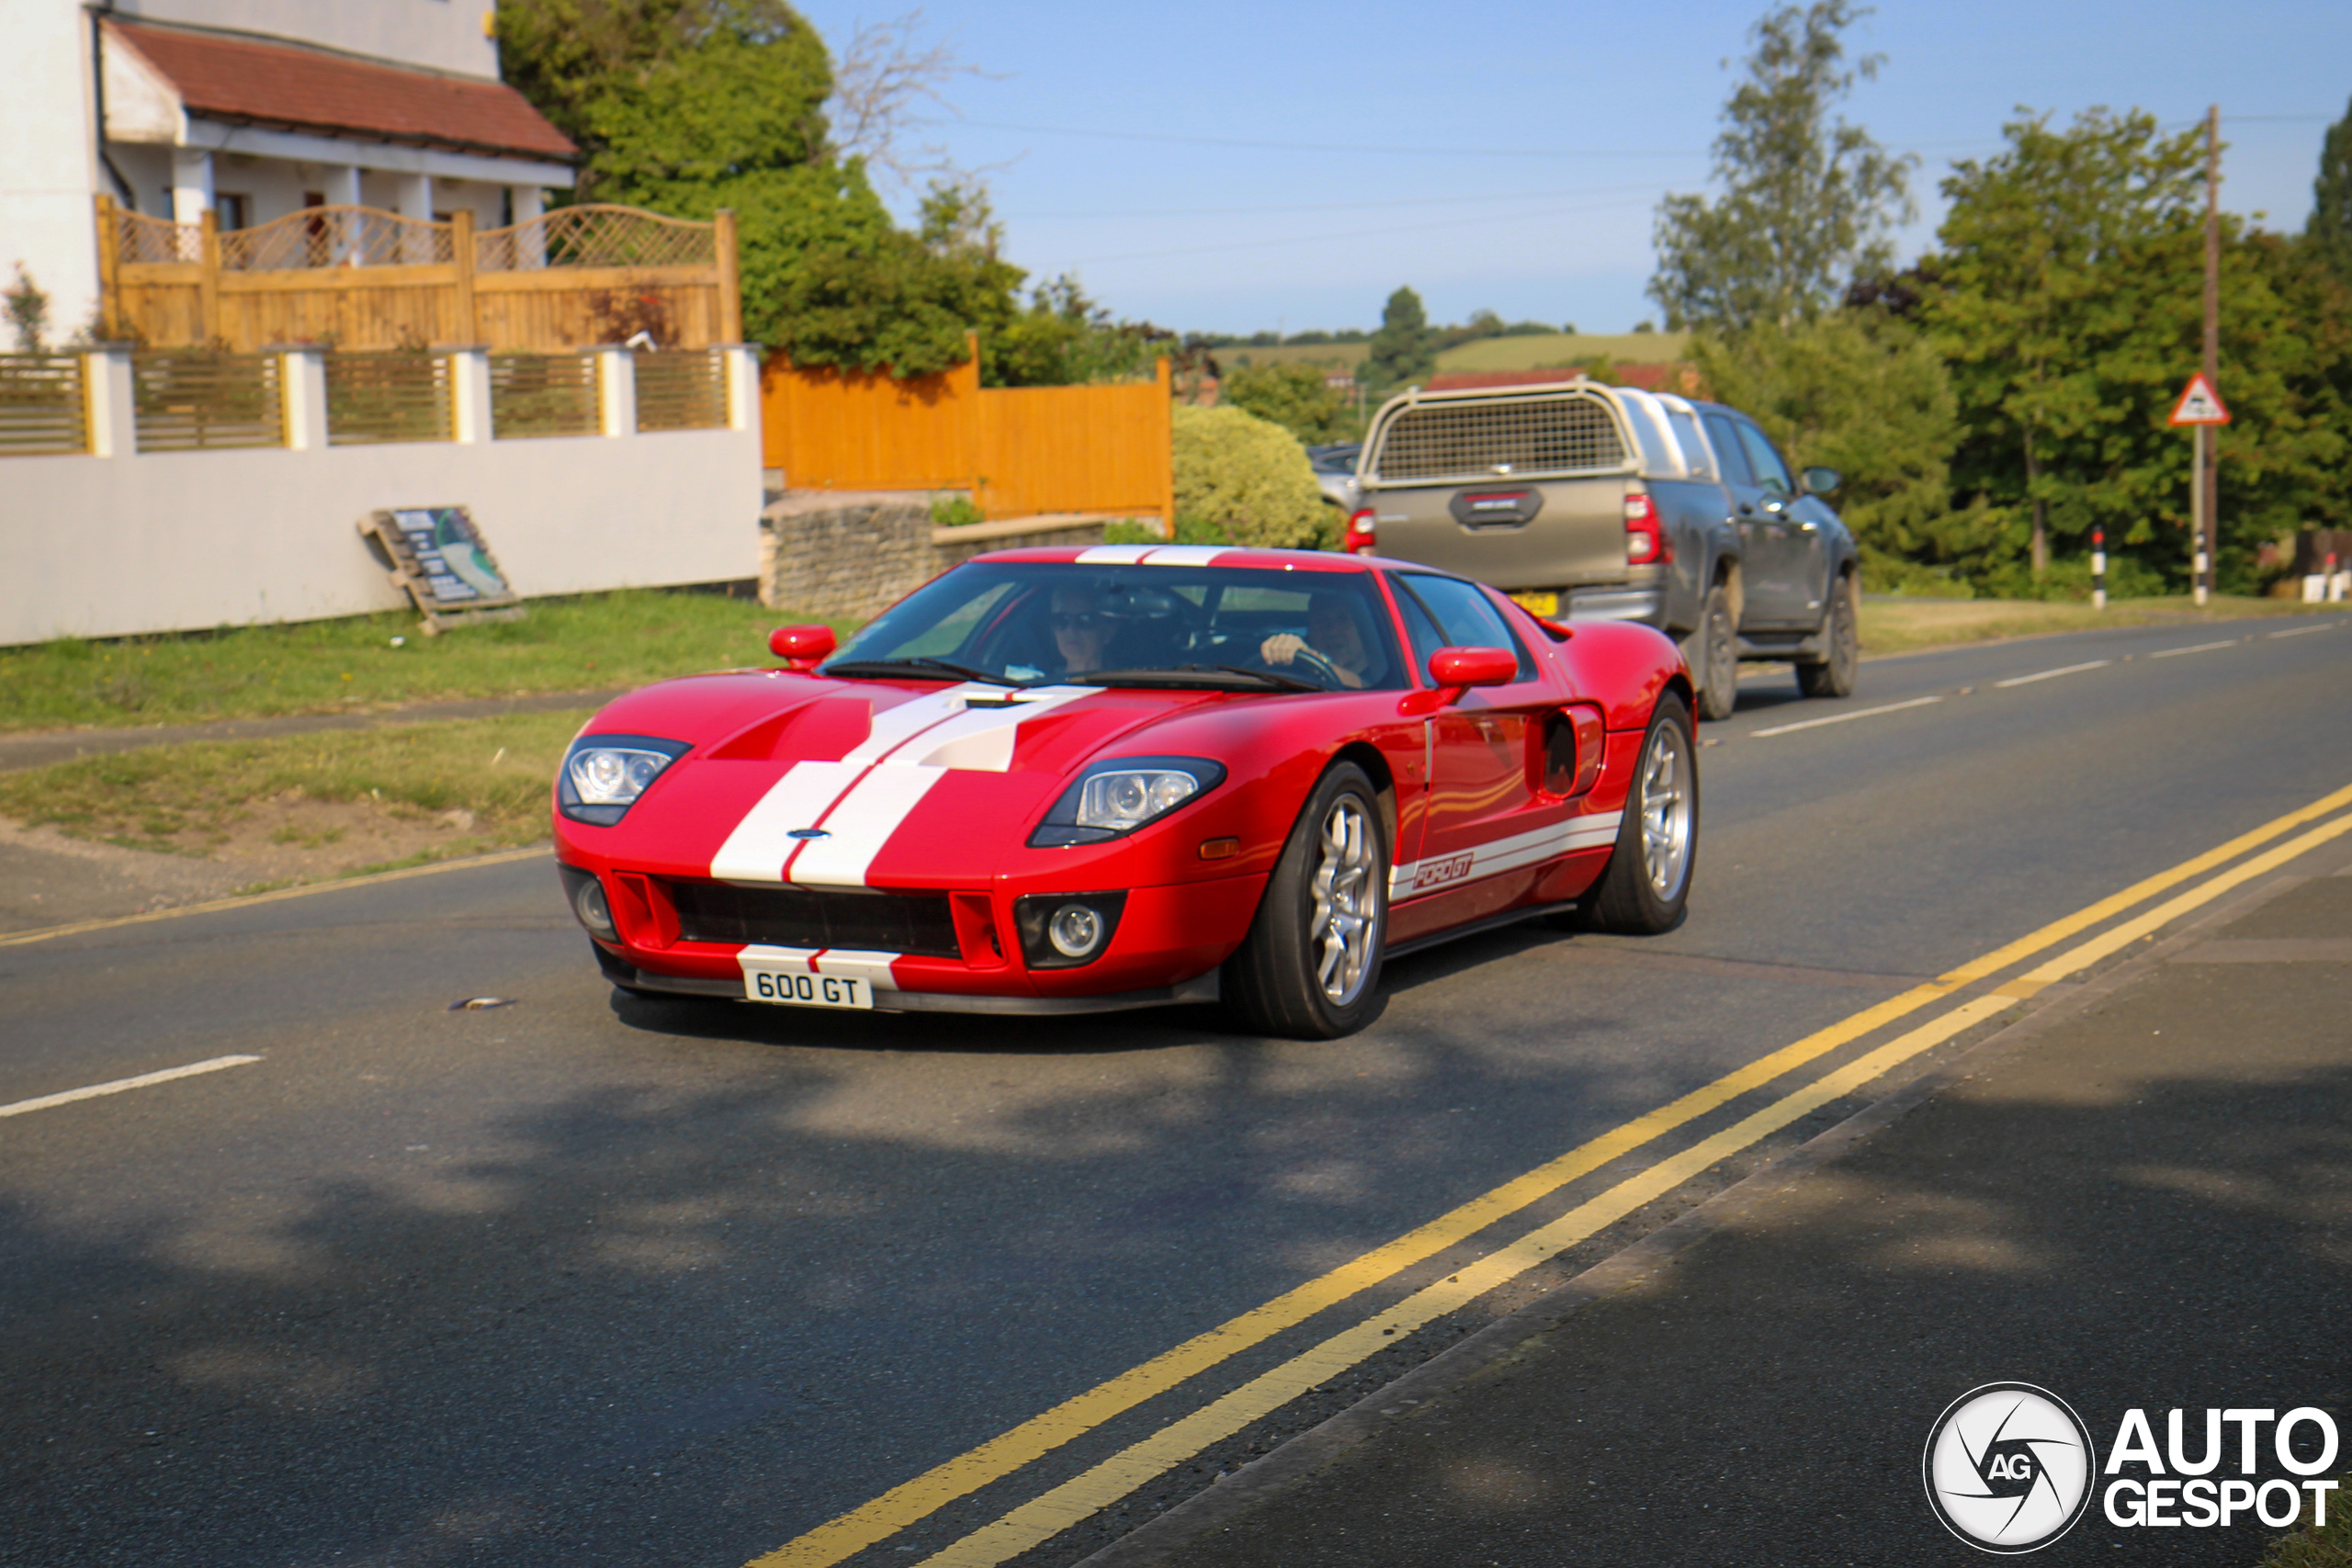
{"points": [[232, 211]]}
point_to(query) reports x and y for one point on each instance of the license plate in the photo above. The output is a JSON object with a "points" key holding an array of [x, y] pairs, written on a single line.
{"points": [[798, 988], [1537, 603]]}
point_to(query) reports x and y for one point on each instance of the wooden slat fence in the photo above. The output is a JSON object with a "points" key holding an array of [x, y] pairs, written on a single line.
{"points": [[360, 279], [43, 405], [193, 399], [1020, 451], [680, 389]]}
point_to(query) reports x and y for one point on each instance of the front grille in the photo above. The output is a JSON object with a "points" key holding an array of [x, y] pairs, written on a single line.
{"points": [[1565, 433], [801, 917]]}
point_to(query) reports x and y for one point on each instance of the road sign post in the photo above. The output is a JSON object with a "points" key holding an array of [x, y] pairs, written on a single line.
{"points": [[2199, 406], [2099, 569]]}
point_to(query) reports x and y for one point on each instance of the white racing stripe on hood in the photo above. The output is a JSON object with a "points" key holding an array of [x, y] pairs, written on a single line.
{"points": [[976, 739], [933, 731], [1432, 872], [1184, 555], [860, 823], [762, 842]]}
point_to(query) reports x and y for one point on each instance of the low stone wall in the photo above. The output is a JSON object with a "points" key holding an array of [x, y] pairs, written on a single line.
{"points": [[849, 554]]}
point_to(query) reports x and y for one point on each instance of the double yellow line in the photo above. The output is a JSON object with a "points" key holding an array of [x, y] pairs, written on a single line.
{"points": [[1087, 1493]]}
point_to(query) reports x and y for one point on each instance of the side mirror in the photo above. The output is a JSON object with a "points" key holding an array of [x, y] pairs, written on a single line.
{"points": [[802, 647], [1474, 667], [1820, 481]]}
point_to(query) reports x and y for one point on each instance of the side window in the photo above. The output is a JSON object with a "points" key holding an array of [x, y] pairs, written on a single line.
{"points": [[1694, 446], [1418, 629], [1726, 441], [1466, 616], [1770, 472]]}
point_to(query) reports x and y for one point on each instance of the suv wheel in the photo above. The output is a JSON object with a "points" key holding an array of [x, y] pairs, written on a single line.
{"points": [[1841, 632], [1715, 664]]}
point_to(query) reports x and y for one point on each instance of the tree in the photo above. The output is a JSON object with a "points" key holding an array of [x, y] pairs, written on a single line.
{"points": [[1864, 393], [1807, 201], [2059, 285], [1299, 398], [1404, 349], [2329, 231], [26, 304]]}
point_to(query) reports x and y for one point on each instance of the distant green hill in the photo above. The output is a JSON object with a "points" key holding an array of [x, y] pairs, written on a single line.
{"points": [[1533, 352], [1565, 348]]}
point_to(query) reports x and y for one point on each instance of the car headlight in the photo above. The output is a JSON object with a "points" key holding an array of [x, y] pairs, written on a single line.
{"points": [[1116, 797], [603, 775]]}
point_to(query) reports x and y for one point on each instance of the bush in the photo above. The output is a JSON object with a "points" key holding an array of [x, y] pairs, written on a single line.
{"points": [[1247, 478], [1296, 397]]}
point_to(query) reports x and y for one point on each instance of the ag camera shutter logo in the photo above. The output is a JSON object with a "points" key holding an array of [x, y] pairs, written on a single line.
{"points": [[2008, 1468]]}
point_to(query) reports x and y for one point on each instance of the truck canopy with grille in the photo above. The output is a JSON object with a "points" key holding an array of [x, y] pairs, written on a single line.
{"points": [[1464, 438]]}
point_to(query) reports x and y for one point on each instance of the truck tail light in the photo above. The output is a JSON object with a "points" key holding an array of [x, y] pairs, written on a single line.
{"points": [[1645, 540], [1363, 535]]}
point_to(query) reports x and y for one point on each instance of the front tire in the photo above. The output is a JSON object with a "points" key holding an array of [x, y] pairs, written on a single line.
{"points": [[1835, 675], [1309, 968], [1647, 886], [1714, 667]]}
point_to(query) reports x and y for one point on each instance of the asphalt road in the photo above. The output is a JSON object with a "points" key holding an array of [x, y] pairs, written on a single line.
{"points": [[590, 1281]]}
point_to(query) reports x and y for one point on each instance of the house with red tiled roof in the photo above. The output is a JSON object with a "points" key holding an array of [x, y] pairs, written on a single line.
{"points": [[251, 110]]}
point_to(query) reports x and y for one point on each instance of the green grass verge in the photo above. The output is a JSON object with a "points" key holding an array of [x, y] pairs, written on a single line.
{"points": [[592, 643], [1901, 626], [186, 799], [2317, 1546]]}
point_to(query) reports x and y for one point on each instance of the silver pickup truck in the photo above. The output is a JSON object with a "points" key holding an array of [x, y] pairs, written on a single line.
{"points": [[1580, 500]]}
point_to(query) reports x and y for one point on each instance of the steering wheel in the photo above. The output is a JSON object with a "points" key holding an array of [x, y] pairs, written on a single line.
{"points": [[1320, 665]]}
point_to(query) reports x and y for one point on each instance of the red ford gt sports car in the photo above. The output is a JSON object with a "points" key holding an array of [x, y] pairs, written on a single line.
{"points": [[1078, 780]]}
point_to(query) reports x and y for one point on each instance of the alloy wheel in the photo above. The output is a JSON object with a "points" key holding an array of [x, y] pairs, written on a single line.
{"points": [[1346, 901]]}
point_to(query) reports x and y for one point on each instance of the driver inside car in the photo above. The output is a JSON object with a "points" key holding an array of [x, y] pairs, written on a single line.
{"points": [[1333, 638], [1081, 630]]}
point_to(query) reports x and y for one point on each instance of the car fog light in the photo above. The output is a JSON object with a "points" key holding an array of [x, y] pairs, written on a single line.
{"points": [[1075, 931], [589, 904]]}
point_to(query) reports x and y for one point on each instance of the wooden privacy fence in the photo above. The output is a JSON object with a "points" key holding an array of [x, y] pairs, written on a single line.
{"points": [[361, 278], [1018, 451]]}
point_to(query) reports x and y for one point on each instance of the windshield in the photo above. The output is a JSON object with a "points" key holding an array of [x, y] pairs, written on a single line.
{"points": [[1044, 622]]}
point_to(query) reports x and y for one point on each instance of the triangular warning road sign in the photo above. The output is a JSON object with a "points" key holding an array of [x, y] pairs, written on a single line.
{"points": [[2199, 404]]}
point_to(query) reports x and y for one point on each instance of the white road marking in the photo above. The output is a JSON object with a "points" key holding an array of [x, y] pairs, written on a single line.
{"points": [[2200, 647], [67, 1097], [2053, 674], [1842, 717], [2300, 631]]}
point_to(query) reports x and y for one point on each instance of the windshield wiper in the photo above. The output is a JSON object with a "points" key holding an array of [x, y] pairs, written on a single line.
{"points": [[886, 666], [1211, 675]]}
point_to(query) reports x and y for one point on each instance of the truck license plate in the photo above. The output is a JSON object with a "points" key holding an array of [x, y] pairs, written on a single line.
{"points": [[1537, 603]]}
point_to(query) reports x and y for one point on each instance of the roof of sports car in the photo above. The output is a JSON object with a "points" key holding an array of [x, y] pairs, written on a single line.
{"points": [[1185, 555]]}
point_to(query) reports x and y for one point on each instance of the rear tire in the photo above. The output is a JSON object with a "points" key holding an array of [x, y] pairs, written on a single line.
{"points": [[1309, 968], [1710, 651], [1841, 631], [1647, 886]]}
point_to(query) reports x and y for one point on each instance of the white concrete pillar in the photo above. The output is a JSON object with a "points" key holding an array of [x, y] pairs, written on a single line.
{"points": [[302, 382], [530, 201], [112, 412], [191, 183], [743, 368], [415, 197], [617, 386], [343, 186], [470, 392]]}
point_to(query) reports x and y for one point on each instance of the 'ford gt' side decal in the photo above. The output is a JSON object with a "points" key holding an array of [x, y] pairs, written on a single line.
{"points": [[1433, 871], [863, 798]]}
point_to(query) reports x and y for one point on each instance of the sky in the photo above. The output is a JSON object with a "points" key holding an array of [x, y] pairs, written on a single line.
{"points": [[1225, 166]]}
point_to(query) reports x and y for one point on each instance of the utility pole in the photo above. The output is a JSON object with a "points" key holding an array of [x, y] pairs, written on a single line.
{"points": [[2206, 478]]}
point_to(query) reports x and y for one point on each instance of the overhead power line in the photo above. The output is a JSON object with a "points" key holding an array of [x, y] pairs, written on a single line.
{"points": [[1173, 139]]}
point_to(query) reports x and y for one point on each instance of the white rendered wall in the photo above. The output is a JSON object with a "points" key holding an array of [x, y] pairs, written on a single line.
{"points": [[178, 541], [47, 170], [443, 35]]}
